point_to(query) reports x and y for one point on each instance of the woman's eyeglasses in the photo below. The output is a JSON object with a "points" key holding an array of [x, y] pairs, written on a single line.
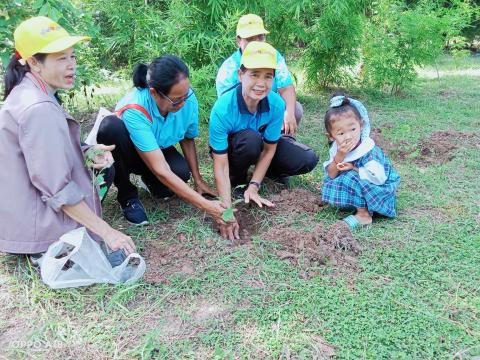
{"points": [[180, 101]]}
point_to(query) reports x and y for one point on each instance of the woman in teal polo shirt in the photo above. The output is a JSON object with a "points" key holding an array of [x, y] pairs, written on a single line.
{"points": [[245, 129], [161, 111]]}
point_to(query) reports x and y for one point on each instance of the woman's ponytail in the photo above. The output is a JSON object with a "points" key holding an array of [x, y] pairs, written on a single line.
{"points": [[13, 75], [16, 72], [140, 76], [163, 73]]}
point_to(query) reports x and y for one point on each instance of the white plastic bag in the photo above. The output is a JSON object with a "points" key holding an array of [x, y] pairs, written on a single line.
{"points": [[92, 135], [77, 260]]}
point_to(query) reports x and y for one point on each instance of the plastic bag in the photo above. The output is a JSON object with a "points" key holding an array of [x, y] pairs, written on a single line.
{"points": [[92, 135], [77, 260]]}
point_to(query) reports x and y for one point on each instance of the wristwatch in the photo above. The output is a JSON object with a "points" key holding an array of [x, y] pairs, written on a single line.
{"points": [[257, 184]]}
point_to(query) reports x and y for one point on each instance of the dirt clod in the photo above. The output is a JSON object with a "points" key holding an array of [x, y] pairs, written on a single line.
{"points": [[297, 201], [341, 238]]}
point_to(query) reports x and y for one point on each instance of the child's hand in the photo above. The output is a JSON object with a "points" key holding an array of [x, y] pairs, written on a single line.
{"points": [[345, 147], [345, 166]]}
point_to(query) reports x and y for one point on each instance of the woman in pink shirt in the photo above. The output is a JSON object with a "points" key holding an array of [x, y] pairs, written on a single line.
{"points": [[46, 189]]}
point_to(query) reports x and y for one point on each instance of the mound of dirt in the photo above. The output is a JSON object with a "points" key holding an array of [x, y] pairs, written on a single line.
{"points": [[340, 237], [303, 249], [297, 201], [438, 148]]}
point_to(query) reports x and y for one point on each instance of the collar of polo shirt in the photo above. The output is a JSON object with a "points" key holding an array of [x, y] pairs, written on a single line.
{"points": [[262, 107]]}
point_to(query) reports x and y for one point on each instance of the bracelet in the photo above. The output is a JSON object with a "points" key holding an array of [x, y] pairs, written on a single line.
{"points": [[257, 184]]}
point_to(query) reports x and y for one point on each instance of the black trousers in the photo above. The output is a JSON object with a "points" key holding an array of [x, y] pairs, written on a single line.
{"points": [[291, 157], [112, 131]]}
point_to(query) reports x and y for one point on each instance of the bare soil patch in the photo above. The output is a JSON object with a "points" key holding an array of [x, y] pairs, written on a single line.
{"points": [[448, 93], [86, 120], [320, 247], [438, 148], [297, 201], [206, 311], [165, 260], [323, 349], [248, 222], [310, 247]]}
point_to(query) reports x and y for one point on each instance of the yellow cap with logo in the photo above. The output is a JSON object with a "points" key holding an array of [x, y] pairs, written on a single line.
{"points": [[258, 55], [42, 35], [250, 25]]}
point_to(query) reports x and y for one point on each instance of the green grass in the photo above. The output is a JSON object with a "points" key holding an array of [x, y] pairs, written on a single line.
{"points": [[417, 295]]}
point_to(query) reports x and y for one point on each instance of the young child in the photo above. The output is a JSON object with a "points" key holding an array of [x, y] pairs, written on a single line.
{"points": [[358, 173]]}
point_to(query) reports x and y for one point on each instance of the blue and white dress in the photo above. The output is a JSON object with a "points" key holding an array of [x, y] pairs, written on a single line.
{"points": [[374, 186]]}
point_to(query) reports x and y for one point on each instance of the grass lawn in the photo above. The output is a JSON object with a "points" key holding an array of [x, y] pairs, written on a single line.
{"points": [[412, 293]]}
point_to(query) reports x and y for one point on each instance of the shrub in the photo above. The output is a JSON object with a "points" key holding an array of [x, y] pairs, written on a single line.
{"points": [[332, 38], [399, 38], [328, 37]]}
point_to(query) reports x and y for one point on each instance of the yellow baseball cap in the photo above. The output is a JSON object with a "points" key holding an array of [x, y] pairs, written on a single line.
{"points": [[250, 25], [258, 55], [42, 35]]}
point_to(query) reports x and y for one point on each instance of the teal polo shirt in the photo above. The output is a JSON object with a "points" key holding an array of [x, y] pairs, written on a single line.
{"points": [[227, 76], [230, 115], [161, 132]]}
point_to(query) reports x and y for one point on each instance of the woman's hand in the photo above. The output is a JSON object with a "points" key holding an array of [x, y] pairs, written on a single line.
{"points": [[203, 189], [289, 123], [230, 230], [117, 240], [215, 209], [251, 194], [104, 159]]}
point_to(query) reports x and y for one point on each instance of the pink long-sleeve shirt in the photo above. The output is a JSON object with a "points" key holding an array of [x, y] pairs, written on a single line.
{"points": [[41, 169]]}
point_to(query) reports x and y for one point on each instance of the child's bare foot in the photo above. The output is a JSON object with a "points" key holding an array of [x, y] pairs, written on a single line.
{"points": [[363, 216]]}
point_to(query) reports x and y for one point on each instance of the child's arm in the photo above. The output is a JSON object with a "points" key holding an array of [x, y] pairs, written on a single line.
{"points": [[332, 170], [343, 149]]}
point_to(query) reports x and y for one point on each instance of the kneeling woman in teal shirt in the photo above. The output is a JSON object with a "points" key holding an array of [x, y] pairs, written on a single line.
{"points": [[161, 111], [245, 129]]}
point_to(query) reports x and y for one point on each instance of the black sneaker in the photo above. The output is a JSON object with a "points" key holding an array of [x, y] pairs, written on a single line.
{"points": [[163, 193], [134, 212], [284, 180]]}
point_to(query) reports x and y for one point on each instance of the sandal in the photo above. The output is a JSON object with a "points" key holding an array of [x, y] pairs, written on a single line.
{"points": [[352, 222]]}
